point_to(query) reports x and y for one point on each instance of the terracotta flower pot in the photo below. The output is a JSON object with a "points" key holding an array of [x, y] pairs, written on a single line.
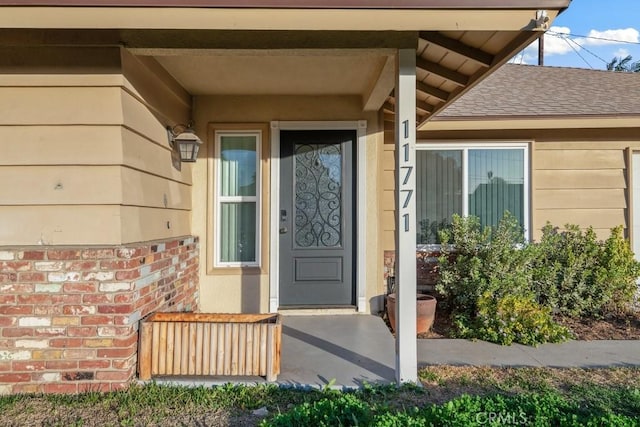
{"points": [[425, 312]]}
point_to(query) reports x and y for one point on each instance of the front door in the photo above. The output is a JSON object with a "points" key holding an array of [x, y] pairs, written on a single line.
{"points": [[317, 218]]}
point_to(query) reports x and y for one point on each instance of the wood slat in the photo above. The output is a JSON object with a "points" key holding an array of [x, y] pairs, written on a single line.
{"points": [[177, 350], [249, 351], [256, 349], [199, 348], [155, 351], [146, 344], [242, 348], [170, 348], [227, 349], [221, 348], [206, 349], [446, 73], [263, 349], [581, 199], [162, 349], [184, 363]]}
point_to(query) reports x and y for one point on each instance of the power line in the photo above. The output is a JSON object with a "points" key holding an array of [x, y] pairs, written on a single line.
{"points": [[564, 35], [567, 39]]}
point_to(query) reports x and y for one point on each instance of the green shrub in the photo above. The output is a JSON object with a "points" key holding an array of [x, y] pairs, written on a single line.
{"points": [[581, 277], [618, 273], [485, 278]]}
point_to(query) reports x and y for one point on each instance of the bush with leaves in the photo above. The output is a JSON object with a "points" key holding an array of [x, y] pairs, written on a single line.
{"points": [[579, 276], [485, 279]]}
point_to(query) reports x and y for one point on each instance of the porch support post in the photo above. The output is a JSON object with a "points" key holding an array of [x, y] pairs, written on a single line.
{"points": [[405, 130]]}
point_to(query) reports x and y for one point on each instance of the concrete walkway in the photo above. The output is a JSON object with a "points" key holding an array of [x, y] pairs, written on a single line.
{"points": [[347, 351]]}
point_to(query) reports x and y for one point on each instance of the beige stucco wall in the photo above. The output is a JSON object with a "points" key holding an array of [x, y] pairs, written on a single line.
{"points": [[85, 157], [247, 290]]}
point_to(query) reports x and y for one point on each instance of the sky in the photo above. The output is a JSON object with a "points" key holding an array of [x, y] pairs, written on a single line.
{"points": [[581, 36]]}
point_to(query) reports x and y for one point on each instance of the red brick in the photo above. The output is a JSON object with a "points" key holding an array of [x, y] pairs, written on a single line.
{"points": [[124, 298], [125, 342], [77, 353], [61, 364], [63, 254], [5, 366], [116, 309], [17, 378], [16, 309], [31, 277], [127, 274], [94, 364], [34, 299], [7, 321], [80, 287], [86, 331], [32, 255], [28, 388], [14, 266], [47, 310], [123, 363], [66, 299], [50, 332], [17, 332], [61, 388], [30, 365], [81, 265], [96, 299], [114, 375], [65, 343], [10, 277], [121, 264], [117, 353], [96, 320], [7, 299]]}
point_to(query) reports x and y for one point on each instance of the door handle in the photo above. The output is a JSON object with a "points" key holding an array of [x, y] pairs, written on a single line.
{"points": [[283, 230]]}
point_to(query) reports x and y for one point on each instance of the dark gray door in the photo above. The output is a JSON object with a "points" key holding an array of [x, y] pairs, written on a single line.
{"points": [[316, 218]]}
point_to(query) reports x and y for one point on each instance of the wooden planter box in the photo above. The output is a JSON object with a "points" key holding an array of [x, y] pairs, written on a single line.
{"points": [[210, 344]]}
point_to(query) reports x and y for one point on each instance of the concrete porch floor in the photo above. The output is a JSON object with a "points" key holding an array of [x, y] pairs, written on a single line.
{"points": [[348, 351]]}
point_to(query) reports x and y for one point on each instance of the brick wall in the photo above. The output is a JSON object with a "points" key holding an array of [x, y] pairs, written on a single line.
{"points": [[69, 316], [426, 266]]}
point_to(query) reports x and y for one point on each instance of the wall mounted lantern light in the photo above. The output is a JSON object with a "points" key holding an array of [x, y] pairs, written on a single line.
{"points": [[184, 139]]}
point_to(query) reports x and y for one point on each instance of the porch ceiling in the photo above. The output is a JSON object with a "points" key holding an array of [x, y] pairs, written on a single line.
{"points": [[448, 63], [277, 72]]}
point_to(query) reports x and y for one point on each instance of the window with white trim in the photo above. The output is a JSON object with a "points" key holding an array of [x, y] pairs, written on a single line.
{"points": [[472, 179], [237, 198]]}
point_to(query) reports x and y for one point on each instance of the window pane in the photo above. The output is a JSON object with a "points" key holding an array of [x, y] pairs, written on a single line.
{"points": [[496, 184], [238, 165], [439, 191], [238, 232]]}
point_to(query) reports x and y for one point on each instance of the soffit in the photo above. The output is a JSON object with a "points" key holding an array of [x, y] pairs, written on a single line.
{"points": [[276, 73]]}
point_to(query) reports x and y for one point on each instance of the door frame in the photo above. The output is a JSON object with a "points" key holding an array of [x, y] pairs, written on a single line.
{"points": [[360, 126]]}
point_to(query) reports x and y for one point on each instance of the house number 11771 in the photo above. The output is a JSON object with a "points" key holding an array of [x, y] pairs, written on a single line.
{"points": [[407, 169]]}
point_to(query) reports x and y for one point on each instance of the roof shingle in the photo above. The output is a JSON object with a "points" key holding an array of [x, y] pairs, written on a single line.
{"points": [[533, 91]]}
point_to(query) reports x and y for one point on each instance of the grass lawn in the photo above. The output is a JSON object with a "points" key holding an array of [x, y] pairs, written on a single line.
{"points": [[456, 396]]}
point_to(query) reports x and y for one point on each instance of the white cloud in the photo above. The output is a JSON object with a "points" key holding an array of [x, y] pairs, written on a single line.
{"points": [[621, 53], [607, 37]]}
